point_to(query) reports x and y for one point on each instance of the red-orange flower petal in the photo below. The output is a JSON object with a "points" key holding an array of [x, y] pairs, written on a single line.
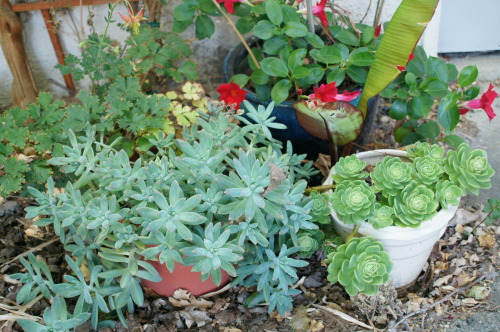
{"points": [[231, 94]]}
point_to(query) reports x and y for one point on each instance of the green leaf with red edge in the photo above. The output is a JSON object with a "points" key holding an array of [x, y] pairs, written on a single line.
{"points": [[344, 120], [399, 40]]}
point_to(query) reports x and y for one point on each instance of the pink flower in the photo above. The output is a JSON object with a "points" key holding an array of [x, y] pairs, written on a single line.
{"points": [[484, 102], [410, 57], [231, 94], [319, 10], [327, 93], [229, 5]]}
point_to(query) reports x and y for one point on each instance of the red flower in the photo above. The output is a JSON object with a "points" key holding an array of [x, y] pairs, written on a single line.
{"points": [[376, 33], [319, 10], [229, 5], [231, 94], [327, 93], [484, 102], [403, 68]]}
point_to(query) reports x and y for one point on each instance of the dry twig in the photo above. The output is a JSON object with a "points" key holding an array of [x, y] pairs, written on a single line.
{"points": [[343, 316], [444, 299], [37, 248]]}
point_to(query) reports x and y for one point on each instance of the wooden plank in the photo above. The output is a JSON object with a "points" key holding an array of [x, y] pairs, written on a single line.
{"points": [[24, 7], [56, 43], [23, 87]]}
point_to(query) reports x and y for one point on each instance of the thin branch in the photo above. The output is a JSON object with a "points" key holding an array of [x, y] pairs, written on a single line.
{"points": [[235, 29], [343, 316], [444, 299], [37, 248]]}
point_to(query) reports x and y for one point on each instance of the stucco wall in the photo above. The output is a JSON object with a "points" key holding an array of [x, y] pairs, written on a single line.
{"points": [[40, 52]]}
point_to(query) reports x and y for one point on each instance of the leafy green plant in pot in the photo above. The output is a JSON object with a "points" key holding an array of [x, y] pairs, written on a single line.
{"points": [[290, 58], [401, 199], [223, 199]]}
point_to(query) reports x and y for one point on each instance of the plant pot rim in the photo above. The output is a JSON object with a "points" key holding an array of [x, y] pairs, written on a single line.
{"points": [[390, 232]]}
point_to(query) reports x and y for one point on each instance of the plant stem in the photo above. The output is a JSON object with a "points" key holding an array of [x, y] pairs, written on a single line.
{"points": [[235, 29], [353, 233], [320, 189], [310, 17]]}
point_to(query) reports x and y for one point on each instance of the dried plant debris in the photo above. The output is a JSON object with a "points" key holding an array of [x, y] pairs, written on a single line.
{"points": [[455, 284]]}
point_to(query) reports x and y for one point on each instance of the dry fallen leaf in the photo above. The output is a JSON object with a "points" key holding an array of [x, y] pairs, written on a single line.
{"points": [[300, 321], [182, 298], [231, 329], [316, 326], [193, 316], [487, 240], [443, 280], [479, 292]]}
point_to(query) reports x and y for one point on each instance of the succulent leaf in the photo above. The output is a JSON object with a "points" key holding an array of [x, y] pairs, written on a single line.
{"points": [[361, 265], [382, 216], [320, 211], [448, 193], [421, 149], [349, 168], [391, 175], [353, 201], [415, 204], [469, 169], [427, 170]]}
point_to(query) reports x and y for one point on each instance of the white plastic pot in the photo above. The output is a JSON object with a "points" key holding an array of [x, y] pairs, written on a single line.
{"points": [[409, 248]]}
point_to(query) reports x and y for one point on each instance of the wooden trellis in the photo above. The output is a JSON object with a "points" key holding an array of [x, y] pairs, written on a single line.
{"points": [[23, 87]]}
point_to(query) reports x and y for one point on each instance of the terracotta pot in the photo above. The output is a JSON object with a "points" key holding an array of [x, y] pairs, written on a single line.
{"points": [[183, 278]]}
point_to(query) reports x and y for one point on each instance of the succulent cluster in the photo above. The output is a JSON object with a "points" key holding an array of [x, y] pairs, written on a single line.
{"points": [[220, 198], [410, 191], [360, 265]]}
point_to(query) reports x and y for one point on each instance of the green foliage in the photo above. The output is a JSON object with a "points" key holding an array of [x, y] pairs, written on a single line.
{"points": [[469, 169], [349, 168], [391, 175], [354, 201], [209, 200], [382, 216], [406, 192], [429, 83], [360, 265], [290, 57], [320, 211], [493, 211], [120, 106], [415, 203]]}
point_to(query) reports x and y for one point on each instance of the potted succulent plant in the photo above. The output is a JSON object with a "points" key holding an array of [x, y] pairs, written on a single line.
{"points": [[222, 200], [401, 199]]}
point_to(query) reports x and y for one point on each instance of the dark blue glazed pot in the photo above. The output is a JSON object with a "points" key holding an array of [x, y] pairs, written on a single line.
{"points": [[302, 141]]}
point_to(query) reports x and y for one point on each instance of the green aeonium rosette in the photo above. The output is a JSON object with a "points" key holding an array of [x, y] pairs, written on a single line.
{"points": [[421, 149], [361, 265], [427, 170], [320, 211], [415, 204], [353, 201], [448, 193], [469, 169], [349, 168], [391, 175], [382, 216]]}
